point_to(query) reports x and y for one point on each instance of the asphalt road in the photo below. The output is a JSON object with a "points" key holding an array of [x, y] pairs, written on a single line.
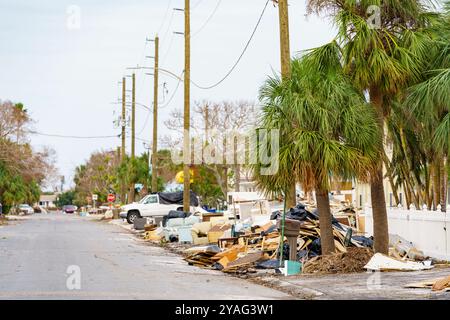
{"points": [[59, 256]]}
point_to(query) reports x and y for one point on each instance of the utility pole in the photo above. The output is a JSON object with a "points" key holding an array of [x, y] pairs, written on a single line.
{"points": [[187, 114], [285, 53], [123, 120], [122, 187], [133, 117], [283, 13], [131, 192], [155, 117]]}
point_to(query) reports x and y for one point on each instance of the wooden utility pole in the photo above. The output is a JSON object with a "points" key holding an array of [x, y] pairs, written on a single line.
{"points": [[131, 193], [187, 105], [133, 117], [123, 150], [283, 12], [123, 120], [155, 118]]}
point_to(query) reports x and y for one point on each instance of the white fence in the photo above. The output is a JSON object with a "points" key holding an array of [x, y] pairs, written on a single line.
{"points": [[427, 230]]}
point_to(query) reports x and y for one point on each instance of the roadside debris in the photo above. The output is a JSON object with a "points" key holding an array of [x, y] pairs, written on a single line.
{"points": [[441, 284], [351, 261], [221, 242], [381, 262], [402, 249]]}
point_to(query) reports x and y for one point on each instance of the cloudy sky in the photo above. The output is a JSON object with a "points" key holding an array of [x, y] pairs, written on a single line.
{"points": [[66, 71]]}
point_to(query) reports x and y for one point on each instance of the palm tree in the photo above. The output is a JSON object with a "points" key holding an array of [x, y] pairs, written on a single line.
{"points": [[381, 60], [429, 102], [327, 130]]}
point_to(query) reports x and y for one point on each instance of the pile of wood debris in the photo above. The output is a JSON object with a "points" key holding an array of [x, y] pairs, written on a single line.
{"points": [[353, 260], [442, 284], [235, 259], [263, 243]]}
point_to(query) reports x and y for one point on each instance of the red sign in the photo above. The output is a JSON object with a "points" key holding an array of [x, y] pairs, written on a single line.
{"points": [[111, 197]]}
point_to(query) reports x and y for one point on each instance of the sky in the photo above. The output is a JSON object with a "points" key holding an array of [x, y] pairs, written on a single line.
{"points": [[64, 59]]}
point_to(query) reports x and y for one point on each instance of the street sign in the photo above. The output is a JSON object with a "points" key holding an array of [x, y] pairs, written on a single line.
{"points": [[94, 197], [111, 197]]}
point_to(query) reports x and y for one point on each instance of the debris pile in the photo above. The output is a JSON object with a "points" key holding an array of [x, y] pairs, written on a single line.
{"points": [[442, 284], [258, 246], [351, 261], [404, 249], [309, 239], [381, 262]]}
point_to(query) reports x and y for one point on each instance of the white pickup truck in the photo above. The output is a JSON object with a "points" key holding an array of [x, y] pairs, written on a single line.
{"points": [[151, 206]]}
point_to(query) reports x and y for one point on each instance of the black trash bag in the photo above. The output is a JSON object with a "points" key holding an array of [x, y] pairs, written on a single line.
{"points": [[177, 198], [316, 247], [217, 266], [276, 215], [302, 254], [174, 214], [366, 242], [334, 222], [270, 230], [268, 264], [300, 213], [285, 251]]}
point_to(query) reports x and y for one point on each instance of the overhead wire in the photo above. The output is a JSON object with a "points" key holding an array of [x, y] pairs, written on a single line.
{"points": [[207, 20], [240, 56], [71, 136]]}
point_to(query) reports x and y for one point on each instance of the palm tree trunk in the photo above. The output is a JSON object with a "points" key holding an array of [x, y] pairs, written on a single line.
{"points": [[428, 196], [326, 228], [237, 178], [291, 197], [391, 179], [444, 184], [436, 184], [131, 194], [379, 211]]}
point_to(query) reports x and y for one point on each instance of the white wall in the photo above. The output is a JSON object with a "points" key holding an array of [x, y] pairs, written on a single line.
{"points": [[429, 231]]}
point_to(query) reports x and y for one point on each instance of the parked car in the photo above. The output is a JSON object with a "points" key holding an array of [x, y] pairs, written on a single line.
{"points": [[157, 205], [69, 208], [26, 209]]}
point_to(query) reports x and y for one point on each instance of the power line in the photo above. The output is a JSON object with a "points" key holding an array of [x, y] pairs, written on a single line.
{"points": [[165, 16], [196, 5], [71, 137], [207, 20], [240, 57], [174, 92]]}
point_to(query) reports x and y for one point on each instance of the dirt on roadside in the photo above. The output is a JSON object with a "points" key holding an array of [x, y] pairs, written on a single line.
{"points": [[351, 261]]}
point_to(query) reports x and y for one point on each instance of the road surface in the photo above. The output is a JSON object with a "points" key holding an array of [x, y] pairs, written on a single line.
{"points": [[55, 256]]}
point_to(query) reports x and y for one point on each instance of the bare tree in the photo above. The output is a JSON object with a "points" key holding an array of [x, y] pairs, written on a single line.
{"points": [[214, 124]]}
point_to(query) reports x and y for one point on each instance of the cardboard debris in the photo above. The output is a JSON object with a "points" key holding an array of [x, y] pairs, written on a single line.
{"points": [[246, 261], [441, 284], [381, 262]]}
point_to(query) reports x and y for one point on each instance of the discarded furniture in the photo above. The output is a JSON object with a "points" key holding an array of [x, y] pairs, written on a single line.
{"points": [[206, 217], [217, 232], [291, 232], [199, 232], [174, 226], [139, 223]]}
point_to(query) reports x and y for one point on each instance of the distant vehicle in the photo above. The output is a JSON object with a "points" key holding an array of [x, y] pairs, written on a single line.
{"points": [[157, 205], [26, 209], [69, 208]]}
